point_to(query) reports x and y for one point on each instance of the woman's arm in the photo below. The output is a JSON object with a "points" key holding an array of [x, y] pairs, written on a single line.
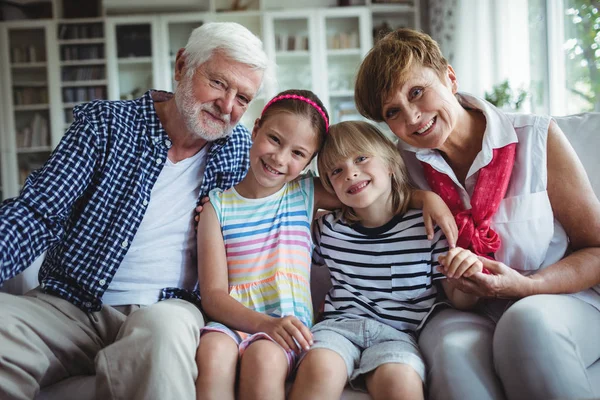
{"points": [[435, 211], [577, 208], [214, 289]]}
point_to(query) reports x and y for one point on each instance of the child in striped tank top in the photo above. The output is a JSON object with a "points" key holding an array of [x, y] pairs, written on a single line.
{"points": [[383, 273], [254, 255]]}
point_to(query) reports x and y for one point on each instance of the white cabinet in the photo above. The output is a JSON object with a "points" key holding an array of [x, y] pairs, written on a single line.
{"points": [[49, 66], [133, 56], [4, 174], [347, 39], [82, 53], [175, 30], [319, 50], [31, 99]]}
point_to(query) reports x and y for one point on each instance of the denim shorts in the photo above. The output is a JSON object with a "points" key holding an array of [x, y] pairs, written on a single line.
{"points": [[366, 344]]}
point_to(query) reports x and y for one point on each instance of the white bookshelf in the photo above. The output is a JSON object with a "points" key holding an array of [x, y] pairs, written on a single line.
{"points": [[77, 60], [31, 99]]}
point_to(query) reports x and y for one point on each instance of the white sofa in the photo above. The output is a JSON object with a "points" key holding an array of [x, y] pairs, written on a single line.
{"points": [[583, 131]]}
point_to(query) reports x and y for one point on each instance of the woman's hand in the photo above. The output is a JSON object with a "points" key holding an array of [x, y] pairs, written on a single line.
{"points": [[501, 282], [436, 211], [287, 329]]}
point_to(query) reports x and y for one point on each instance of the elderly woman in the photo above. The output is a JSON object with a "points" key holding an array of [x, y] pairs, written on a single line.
{"points": [[522, 201]]}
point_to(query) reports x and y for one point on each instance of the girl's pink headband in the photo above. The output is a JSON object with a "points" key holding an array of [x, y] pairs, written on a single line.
{"points": [[301, 98]]}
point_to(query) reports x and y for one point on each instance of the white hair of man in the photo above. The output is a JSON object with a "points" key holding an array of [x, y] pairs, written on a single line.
{"points": [[236, 41]]}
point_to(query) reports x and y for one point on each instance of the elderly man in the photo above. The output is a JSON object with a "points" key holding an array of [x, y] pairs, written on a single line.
{"points": [[113, 207]]}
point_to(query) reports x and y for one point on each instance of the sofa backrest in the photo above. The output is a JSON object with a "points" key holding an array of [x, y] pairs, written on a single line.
{"points": [[583, 131]]}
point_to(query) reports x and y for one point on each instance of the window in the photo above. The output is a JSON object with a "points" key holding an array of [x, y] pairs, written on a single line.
{"points": [[565, 56]]}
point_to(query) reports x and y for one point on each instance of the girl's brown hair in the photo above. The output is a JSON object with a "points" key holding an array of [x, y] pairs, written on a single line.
{"points": [[355, 138], [299, 107]]}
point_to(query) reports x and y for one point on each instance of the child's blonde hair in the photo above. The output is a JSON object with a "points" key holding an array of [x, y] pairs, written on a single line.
{"points": [[354, 138]]}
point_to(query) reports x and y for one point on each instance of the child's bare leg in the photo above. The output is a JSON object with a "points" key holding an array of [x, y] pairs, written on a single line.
{"points": [[395, 381], [321, 375], [263, 371], [217, 358]]}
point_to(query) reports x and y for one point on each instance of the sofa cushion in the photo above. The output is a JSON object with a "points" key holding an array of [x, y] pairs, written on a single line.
{"points": [[583, 132]]}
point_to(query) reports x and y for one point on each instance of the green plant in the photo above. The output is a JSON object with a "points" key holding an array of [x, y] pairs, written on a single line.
{"points": [[503, 96]]}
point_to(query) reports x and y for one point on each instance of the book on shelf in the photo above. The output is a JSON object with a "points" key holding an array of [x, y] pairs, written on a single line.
{"points": [[30, 95], [24, 54], [82, 94], [346, 111], [285, 42], [70, 52], [36, 134], [71, 74], [81, 31]]}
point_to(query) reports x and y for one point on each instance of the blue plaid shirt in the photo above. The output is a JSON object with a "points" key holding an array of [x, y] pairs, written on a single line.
{"points": [[86, 203]]}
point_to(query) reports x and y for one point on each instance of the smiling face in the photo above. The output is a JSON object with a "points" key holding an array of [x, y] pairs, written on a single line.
{"points": [[362, 182], [423, 111], [282, 147], [214, 98]]}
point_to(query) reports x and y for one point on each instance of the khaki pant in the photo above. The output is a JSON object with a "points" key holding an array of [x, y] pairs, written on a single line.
{"points": [[135, 353]]}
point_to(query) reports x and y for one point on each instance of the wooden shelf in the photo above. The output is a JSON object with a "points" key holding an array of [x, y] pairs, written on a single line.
{"points": [[38, 149], [389, 8], [75, 63], [344, 52], [27, 84], [80, 21], [135, 60], [342, 93], [29, 65], [292, 54], [102, 82], [32, 107], [81, 41]]}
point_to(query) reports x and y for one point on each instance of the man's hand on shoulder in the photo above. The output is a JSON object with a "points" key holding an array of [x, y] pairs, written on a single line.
{"points": [[199, 208]]}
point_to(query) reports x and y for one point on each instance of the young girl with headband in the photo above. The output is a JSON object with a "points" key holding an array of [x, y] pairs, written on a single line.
{"points": [[254, 256]]}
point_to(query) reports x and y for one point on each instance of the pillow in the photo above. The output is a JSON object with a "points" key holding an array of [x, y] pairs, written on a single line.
{"points": [[583, 131]]}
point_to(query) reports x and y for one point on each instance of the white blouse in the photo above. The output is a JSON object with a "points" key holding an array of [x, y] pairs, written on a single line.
{"points": [[531, 237]]}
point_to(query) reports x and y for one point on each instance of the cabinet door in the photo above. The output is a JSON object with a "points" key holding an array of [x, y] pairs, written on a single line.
{"points": [[27, 98], [174, 35], [290, 40], [132, 44], [252, 20], [345, 35], [83, 75]]}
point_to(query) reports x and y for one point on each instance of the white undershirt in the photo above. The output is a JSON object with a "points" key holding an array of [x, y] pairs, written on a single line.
{"points": [[163, 251]]}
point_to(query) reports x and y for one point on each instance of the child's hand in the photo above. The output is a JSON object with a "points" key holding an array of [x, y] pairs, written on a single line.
{"points": [[285, 330], [436, 211], [460, 263], [199, 208]]}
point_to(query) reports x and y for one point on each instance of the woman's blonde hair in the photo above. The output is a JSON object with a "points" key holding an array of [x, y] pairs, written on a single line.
{"points": [[386, 67], [355, 138]]}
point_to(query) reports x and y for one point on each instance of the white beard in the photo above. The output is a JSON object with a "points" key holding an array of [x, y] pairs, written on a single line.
{"points": [[192, 112]]}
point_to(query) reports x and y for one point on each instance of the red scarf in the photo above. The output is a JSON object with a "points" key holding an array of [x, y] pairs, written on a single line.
{"points": [[474, 232]]}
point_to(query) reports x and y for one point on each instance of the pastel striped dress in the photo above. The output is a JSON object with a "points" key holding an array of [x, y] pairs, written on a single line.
{"points": [[268, 245]]}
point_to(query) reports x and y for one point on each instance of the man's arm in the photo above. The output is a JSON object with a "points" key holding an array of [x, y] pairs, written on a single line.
{"points": [[33, 221]]}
